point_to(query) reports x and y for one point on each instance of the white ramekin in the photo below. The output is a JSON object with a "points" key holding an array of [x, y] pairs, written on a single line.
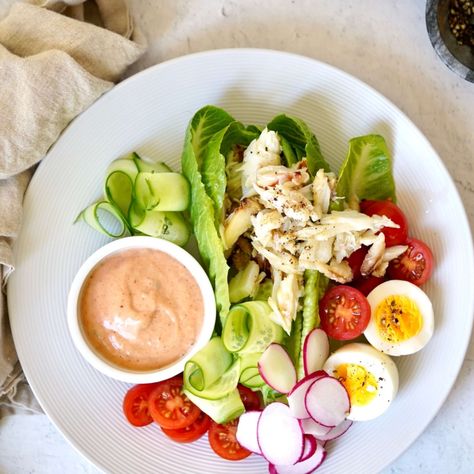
{"points": [[107, 367]]}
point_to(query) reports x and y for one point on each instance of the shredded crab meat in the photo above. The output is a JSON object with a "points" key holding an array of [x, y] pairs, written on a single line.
{"points": [[322, 188], [337, 271], [374, 256], [264, 223], [283, 261], [284, 299], [263, 151], [270, 176], [287, 201], [390, 254]]}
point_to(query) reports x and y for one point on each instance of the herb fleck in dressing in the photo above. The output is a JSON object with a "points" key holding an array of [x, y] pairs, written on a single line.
{"points": [[141, 309]]}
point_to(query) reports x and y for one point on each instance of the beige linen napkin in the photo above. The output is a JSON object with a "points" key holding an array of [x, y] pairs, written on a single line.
{"points": [[52, 67]]}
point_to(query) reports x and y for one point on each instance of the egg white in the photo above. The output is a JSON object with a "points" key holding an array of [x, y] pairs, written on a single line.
{"points": [[379, 365], [416, 294]]}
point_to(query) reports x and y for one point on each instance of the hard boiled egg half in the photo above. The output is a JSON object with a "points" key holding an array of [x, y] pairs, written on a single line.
{"points": [[401, 319], [369, 376]]}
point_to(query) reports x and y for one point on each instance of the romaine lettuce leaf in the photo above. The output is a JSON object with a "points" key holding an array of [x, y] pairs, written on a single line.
{"points": [[302, 141], [314, 288], [214, 161], [205, 123], [366, 172]]}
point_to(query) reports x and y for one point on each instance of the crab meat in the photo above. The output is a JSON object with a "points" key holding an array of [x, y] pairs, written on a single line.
{"points": [[263, 151], [345, 244], [239, 221], [282, 261], [312, 251], [374, 256], [288, 202], [269, 176], [264, 223], [389, 254], [337, 271], [353, 221], [284, 299], [321, 193]]}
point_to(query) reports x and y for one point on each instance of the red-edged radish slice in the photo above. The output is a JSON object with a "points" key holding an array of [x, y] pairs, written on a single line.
{"points": [[327, 401], [279, 434], [303, 467], [277, 369], [311, 427], [298, 392], [315, 350], [310, 445], [247, 431], [335, 432]]}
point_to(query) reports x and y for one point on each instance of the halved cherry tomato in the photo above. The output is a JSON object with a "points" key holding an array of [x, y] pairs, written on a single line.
{"points": [[192, 432], [414, 265], [251, 400], [355, 260], [366, 284], [394, 213], [344, 312], [224, 443], [169, 407], [135, 404]]}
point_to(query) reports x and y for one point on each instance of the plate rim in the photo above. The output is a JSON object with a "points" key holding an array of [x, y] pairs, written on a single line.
{"points": [[277, 53]]}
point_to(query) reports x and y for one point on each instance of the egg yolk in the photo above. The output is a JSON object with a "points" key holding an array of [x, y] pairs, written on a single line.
{"points": [[398, 318], [361, 385]]}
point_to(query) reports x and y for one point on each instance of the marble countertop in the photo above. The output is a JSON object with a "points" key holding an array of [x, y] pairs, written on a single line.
{"points": [[384, 44]]}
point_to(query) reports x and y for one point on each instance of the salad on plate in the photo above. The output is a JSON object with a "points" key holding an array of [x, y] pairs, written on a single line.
{"points": [[316, 279]]}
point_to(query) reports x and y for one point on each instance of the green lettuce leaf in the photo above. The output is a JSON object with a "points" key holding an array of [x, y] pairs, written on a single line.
{"points": [[366, 172], [299, 142], [214, 161], [203, 126], [314, 288]]}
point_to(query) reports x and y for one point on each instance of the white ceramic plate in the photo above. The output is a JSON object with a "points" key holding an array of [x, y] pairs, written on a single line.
{"points": [[149, 113]]}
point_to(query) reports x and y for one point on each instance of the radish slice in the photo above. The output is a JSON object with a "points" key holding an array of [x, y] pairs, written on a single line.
{"points": [[277, 369], [298, 392], [309, 447], [302, 467], [335, 432], [315, 351], [311, 427], [280, 437], [327, 401], [247, 431]]}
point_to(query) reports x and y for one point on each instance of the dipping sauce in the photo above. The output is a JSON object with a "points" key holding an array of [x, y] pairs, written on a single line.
{"points": [[141, 309]]}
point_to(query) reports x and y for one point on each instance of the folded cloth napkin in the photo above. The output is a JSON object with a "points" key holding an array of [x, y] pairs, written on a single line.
{"points": [[52, 67]]}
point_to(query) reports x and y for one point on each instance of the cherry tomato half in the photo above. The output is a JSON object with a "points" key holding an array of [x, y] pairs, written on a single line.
{"points": [[394, 213], [192, 432], [224, 443], [169, 407], [344, 312], [250, 399], [414, 265], [135, 404]]}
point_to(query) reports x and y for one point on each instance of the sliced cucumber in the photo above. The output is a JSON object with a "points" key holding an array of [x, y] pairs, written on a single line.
{"points": [[118, 190], [245, 284], [149, 166], [125, 165], [249, 374], [212, 373], [222, 410], [220, 388], [249, 329], [165, 225], [105, 218], [162, 191]]}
